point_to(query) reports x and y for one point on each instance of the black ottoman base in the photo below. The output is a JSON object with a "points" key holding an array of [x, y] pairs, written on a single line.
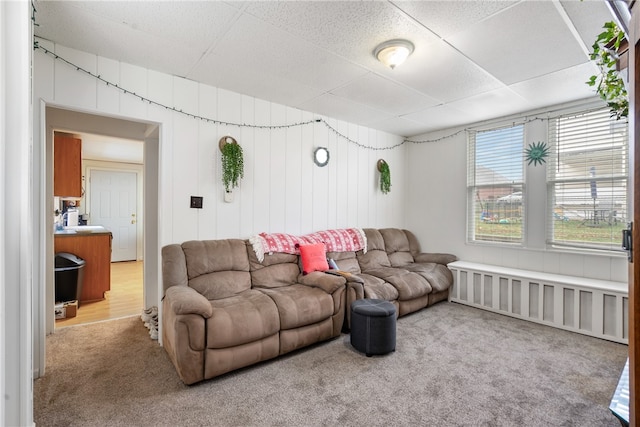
{"points": [[373, 326]]}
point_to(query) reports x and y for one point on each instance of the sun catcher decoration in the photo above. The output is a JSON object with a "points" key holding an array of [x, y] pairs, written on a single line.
{"points": [[537, 152]]}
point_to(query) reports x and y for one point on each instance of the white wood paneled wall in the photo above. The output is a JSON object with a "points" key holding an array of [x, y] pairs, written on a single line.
{"points": [[282, 190]]}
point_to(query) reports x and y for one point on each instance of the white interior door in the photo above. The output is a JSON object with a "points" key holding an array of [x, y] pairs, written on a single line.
{"points": [[113, 205]]}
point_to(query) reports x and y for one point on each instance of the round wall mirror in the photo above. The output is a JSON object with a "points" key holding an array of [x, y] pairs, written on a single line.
{"points": [[321, 156]]}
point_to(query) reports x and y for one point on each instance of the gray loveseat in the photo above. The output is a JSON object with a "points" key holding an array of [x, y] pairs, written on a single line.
{"points": [[223, 309]]}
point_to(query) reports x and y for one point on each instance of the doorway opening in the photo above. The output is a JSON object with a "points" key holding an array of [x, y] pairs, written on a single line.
{"points": [[112, 198], [119, 179]]}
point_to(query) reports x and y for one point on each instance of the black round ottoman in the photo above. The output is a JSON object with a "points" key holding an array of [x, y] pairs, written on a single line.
{"points": [[373, 326]]}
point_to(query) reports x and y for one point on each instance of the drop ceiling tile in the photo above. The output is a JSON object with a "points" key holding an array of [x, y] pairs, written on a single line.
{"points": [[446, 18], [111, 39], [493, 104], [555, 88], [401, 126], [193, 23], [527, 40], [440, 117], [438, 70], [257, 45], [588, 17], [252, 81], [344, 109], [347, 28], [385, 95]]}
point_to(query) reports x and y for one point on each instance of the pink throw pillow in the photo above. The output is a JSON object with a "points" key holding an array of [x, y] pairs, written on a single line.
{"points": [[314, 258]]}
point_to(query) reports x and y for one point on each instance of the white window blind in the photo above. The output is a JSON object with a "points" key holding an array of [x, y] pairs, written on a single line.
{"points": [[587, 177], [495, 185]]}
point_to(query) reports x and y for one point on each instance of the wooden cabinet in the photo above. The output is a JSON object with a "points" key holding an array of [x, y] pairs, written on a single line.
{"points": [[67, 166], [95, 249]]}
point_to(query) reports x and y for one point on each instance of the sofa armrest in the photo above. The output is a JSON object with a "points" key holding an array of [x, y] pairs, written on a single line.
{"points": [[436, 258], [327, 282], [357, 289], [351, 277], [185, 300]]}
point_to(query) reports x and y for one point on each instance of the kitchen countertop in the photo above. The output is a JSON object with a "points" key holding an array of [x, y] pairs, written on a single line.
{"points": [[82, 230]]}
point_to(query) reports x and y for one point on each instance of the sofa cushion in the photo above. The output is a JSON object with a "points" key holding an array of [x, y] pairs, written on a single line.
{"points": [[300, 305], [346, 261], [313, 258], [276, 270], [221, 284], [217, 268], [439, 276], [397, 246], [409, 285], [377, 288], [376, 255], [207, 256], [241, 319]]}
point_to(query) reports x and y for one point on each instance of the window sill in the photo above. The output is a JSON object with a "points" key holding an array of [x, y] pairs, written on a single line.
{"points": [[552, 249], [587, 251]]}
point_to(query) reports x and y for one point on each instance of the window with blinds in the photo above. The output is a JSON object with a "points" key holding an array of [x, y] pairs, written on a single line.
{"points": [[587, 177], [495, 185]]}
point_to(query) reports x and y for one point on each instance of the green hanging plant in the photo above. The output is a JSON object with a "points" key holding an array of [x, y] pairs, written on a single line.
{"points": [[609, 85], [232, 163], [385, 176]]}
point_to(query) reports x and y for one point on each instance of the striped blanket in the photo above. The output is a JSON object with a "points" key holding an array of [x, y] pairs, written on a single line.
{"points": [[336, 240]]}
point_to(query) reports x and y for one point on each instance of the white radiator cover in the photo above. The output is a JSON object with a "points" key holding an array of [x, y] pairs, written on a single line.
{"points": [[592, 307]]}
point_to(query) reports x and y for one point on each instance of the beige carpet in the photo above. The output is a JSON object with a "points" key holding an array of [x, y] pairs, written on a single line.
{"points": [[454, 366]]}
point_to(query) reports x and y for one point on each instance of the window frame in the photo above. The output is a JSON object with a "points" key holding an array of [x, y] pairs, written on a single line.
{"points": [[496, 186], [555, 177]]}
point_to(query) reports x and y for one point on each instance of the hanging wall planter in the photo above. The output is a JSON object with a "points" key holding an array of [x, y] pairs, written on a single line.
{"points": [[385, 176], [232, 162]]}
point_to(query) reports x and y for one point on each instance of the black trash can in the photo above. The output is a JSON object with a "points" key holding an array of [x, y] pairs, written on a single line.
{"points": [[69, 275]]}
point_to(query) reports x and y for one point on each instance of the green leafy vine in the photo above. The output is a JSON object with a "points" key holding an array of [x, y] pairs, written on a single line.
{"points": [[232, 165], [608, 84], [385, 177]]}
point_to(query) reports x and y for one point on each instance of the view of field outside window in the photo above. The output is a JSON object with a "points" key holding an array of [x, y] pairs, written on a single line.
{"points": [[496, 185], [587, 179]]}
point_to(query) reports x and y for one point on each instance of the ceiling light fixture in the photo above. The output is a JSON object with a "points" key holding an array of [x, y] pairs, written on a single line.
{"points": [[393, 52]]}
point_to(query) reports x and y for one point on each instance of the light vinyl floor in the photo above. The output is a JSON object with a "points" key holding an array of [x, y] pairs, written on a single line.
{"points": [[124, 298]]}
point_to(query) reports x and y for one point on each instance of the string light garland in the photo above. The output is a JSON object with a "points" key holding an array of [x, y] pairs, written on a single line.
{"points": [[33, 14], [158, 104], [142, 98]]}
